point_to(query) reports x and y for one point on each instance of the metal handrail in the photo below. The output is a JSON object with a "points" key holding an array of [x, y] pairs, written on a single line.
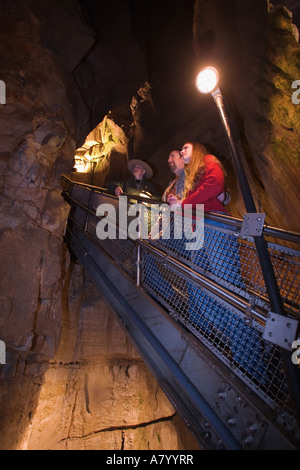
{"points": [[282, 234], [257, 312], [244, 307], [253, 311], [156, 353], [105, 191]]}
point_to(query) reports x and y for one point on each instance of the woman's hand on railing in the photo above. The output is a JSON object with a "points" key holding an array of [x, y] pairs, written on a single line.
{"points": [[118, 191], [174, 202]]}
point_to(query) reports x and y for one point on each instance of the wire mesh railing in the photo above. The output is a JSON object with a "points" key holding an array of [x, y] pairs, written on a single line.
{"points": [[217, 292]]}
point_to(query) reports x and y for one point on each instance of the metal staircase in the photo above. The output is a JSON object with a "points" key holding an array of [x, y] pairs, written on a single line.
{"points": [[201, 319]]}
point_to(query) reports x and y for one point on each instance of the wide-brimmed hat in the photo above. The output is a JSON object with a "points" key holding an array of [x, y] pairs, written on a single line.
{"points": [[147, 168]]}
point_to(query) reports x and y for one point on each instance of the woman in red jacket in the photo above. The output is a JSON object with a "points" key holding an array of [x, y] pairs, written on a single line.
{"points": [[219, 257], [204, 183], [204, 179]]}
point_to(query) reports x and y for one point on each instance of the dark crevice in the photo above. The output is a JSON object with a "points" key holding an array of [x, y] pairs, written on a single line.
{"points": [[122, 428]]}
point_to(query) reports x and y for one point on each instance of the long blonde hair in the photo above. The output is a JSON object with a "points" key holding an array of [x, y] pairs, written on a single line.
{"points": [[196, 167]]}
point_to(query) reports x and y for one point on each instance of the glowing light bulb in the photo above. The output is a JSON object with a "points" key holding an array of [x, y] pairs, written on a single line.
{"points": [[207, 80]]}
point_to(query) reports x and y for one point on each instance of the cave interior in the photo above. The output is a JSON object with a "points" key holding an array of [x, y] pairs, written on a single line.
{"points": [[94, 84]]}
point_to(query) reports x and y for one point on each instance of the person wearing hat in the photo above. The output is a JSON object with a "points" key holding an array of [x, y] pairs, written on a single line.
{"points": [[139, 184]]}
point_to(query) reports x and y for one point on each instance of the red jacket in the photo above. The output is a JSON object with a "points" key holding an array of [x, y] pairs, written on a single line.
{"points": [[208, 188]]}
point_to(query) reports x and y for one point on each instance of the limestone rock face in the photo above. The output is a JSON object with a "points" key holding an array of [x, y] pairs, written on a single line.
{"points": [[97, 393], [72, 379], [36, 143]]}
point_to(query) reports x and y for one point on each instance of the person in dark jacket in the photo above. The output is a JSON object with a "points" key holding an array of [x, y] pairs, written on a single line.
{"points": [[139, 185]]}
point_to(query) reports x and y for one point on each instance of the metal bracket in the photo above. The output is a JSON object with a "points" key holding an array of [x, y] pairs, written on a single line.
{"points": [[280, 330], [253, 224]]}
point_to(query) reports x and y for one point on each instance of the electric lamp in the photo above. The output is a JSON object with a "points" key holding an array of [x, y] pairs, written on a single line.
{"points": [[207, 80]]}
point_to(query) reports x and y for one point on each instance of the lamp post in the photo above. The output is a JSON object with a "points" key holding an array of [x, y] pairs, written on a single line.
{"points": [[207, 82]]}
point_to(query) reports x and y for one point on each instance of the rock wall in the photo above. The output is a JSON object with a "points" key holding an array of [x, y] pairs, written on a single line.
{"points": [[67, 66], [36, 147], [72, 380], [97, 393]]}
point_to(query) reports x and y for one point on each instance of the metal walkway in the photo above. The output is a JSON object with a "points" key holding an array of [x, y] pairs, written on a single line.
{"points": [[201, 319]]}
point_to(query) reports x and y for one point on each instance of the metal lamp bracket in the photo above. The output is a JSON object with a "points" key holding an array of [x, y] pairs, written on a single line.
{"points": [[280, 330], [253, 224]]}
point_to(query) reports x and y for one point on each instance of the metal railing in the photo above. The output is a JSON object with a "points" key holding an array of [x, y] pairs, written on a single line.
{"points": [[218, 292]]}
